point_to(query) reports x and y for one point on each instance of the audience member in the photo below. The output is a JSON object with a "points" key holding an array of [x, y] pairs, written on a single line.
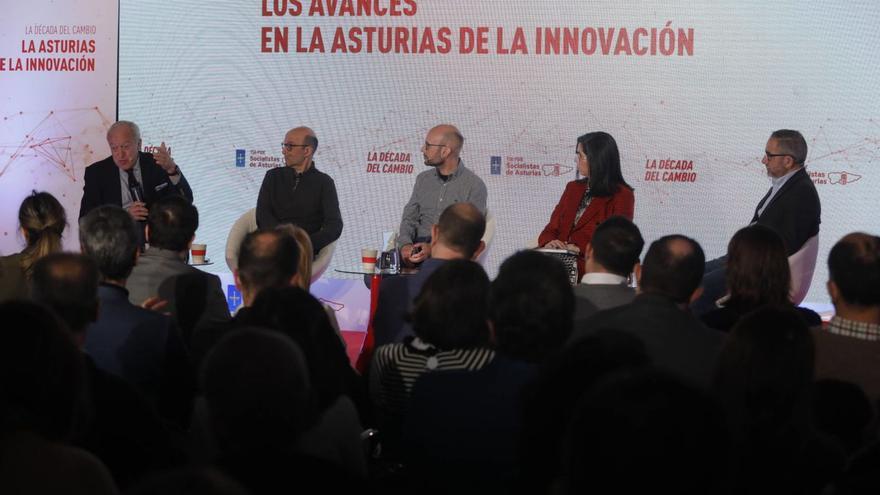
{"points": [[449, 322], [268, 258], [143, 347], [256, 385], [456, 235], [42, 221], [340, 396], [462, 426], [850, 347], [764, 380], [673, 337], [446, 183], [612, 256], [757, 275], [646, 431], [552, 397], [162, 271], [123, 430], [42, 382]]}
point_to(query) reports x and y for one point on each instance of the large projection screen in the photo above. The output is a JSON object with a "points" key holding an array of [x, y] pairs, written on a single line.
{"points": [[690, 91]]}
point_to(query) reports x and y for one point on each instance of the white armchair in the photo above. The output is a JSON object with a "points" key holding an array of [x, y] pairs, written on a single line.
{"points": [[802, 265]]}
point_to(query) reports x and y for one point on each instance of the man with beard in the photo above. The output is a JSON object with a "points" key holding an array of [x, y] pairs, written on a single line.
{"points": [[446, 183]]}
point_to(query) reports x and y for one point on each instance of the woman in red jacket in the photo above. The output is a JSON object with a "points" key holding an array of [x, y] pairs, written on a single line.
{"points": [[587, 202]]}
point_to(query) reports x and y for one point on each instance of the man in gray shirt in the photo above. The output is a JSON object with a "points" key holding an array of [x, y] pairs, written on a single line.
{"points": [[446, 183]]}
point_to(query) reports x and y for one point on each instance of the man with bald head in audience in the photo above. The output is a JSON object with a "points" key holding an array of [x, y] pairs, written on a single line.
{"points": [[456, 235], [849, 349], [659, 315], [299, 194], [447, 182]]}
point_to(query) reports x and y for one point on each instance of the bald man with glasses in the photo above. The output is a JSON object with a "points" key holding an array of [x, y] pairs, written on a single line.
{"points": [[447, 182], [299, 193]]}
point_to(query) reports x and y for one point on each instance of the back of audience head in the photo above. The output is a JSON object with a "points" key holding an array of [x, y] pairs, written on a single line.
{"points": [[765, 372], [450, 310], [107, 235], [531, 306], [172, 224], [68, 284], [854, 270], [757, 267], [646, 431], [41, 372], [460, 228], [304, 263], [295, 313], [673, 268], [268, 258], [616, 245], [256, 386], [42, 220]]}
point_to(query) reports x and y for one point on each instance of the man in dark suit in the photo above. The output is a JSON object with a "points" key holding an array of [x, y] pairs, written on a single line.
{"points": [[130, 178], [143, 347], [457, 235], [791, 207], [611, 257], [162, 270], [659, 316]]}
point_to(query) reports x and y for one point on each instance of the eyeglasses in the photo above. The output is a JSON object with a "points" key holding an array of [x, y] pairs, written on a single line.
{"points": [[428, 145], [774, 155], [289, 147]]}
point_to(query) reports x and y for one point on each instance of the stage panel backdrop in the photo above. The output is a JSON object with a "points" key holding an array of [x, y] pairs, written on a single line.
{"points": [[58, 65], [690, 90]]}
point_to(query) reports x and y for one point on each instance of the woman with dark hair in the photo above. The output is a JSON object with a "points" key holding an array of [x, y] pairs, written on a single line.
{"points": [[757, 275], [42, 220], [587, 202], [765, 381], [451, 333]]}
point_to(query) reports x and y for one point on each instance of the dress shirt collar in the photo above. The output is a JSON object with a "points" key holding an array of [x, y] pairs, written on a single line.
{"points": [[602, 279]]}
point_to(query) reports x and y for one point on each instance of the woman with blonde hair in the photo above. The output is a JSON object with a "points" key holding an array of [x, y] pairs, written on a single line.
{"points": [[42, 220]]}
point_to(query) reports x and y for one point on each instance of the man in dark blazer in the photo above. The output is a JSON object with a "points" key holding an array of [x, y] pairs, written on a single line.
{"points": [[457, 235], [659, 317], [130, 178], [791, 207], [611, 257], [142, 347], [193, 296]]}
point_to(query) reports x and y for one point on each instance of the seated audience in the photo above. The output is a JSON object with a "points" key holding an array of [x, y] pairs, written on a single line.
{"points": [[552, 397], [337, 390], [192, 295], [462, 426], [757, 275], [612, 256], [588, 202], [256, 385], [268, 258], [673, 337], [764, 381], [42, 221], [849, 349], [456, 235], [449, 321], [143, 347], [123, 428], [42, 382], [646, 431]]}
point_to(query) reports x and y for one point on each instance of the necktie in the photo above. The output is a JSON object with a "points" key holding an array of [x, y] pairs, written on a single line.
{"points": [[137, 194]]}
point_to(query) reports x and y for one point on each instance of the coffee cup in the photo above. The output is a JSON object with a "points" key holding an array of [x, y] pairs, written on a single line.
{"points": [[198, 253], [368, 259]]}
